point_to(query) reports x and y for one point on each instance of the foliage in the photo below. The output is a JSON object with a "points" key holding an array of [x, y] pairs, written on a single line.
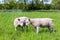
{"points": [[33, 6], [57, 4]]}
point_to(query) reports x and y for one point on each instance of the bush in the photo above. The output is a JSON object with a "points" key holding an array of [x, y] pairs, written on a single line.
{"points": [[56, 5], [11, 5], [32, 6]]}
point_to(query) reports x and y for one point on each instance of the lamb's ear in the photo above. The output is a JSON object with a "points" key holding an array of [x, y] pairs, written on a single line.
{"points": [[18, 19]]}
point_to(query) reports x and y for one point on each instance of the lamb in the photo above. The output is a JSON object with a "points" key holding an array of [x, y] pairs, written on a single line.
{"points": [[21, 21], [42, 22]]}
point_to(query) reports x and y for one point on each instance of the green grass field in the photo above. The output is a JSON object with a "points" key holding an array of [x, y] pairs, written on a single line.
{"points": [[7, 31]]}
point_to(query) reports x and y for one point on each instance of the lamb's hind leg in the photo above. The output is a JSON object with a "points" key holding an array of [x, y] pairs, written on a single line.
{"points": [[51, 28]]}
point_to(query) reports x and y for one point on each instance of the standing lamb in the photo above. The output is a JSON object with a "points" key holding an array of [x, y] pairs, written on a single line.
{"points": [[21, 21], [42, 22]]}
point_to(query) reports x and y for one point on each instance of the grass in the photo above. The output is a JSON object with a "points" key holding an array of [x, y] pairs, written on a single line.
{"points": [[7, 31]]}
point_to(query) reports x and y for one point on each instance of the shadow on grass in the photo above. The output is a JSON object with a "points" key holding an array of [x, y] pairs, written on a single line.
{"points": [[14, 10], [44, 31], [40, 10], [24, 29], [47, 31]]}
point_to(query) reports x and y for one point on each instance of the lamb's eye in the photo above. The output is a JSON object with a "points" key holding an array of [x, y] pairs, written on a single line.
{"points": [[18, 19]]}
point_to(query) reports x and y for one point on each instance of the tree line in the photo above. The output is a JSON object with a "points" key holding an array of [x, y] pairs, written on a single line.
{"points": [[32, 6]]}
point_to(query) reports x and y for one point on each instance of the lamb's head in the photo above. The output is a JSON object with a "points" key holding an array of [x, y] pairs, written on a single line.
{"points": [[24, 21], [27, 21]]}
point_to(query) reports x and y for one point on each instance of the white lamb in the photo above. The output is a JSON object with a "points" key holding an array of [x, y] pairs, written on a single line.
{"points": [[21, 21], [42, 22]]}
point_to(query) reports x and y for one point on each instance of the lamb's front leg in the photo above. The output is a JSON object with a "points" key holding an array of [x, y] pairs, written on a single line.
{"points": [[26, 28], [21, 28], [37, 29], [16, 27]]}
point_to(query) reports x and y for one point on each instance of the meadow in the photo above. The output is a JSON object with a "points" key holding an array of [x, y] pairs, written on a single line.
{"points": [[7, 30]]}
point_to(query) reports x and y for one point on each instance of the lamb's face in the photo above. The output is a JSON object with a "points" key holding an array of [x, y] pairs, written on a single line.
{"points": [[27, 22], [21, 23], [24, 22]]}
